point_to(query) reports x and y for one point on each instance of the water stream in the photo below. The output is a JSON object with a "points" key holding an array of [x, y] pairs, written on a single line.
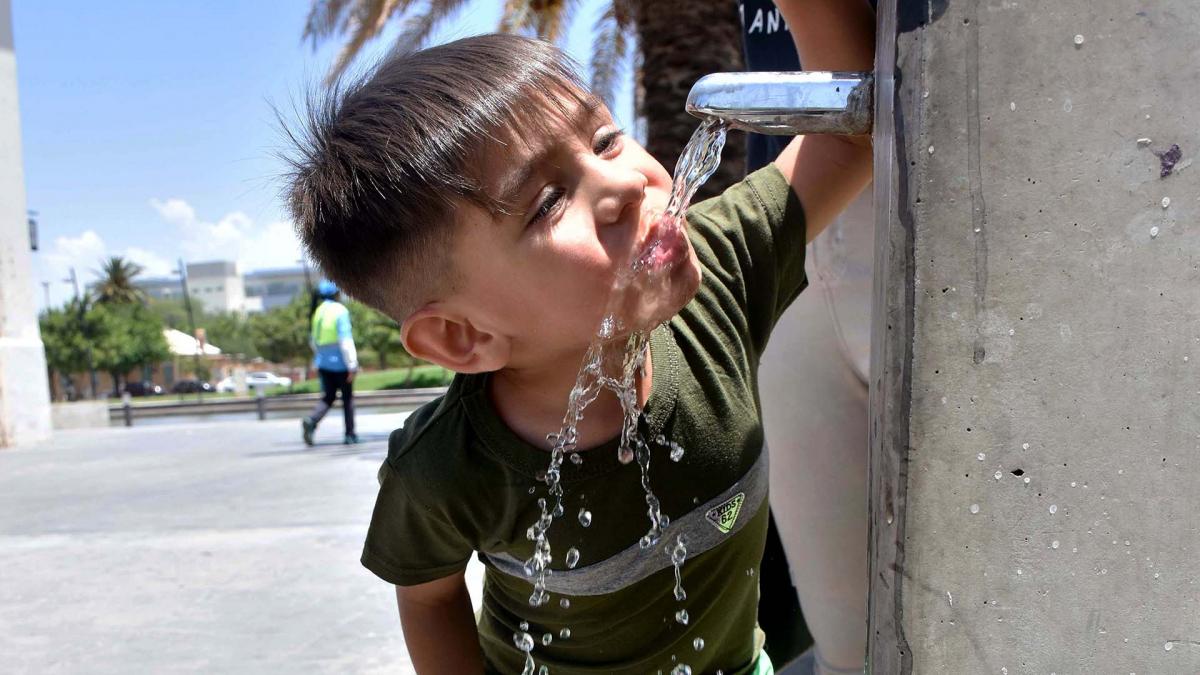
{"points": [[615, 361]]}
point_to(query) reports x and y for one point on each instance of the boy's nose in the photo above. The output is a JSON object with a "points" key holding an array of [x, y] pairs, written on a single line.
{"points": [[621, 188]]}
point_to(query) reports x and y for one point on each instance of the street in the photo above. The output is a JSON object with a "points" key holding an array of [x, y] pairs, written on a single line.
{"points": [[213, 547]]}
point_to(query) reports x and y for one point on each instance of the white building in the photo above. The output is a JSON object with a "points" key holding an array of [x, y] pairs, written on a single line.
{"points": [[220, 286]]}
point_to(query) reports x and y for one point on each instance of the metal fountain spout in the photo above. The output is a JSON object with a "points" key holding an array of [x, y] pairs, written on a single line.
{"points": [[803, 102]]}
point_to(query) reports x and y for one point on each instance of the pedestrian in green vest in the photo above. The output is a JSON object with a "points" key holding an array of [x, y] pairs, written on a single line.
{"points": [[335, 359]]}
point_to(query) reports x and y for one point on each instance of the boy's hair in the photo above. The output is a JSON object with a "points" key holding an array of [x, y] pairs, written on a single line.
{"points": [[382, 161]]}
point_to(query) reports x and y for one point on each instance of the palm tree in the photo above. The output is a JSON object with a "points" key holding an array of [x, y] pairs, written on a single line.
{"points": [[678, 42], [116, 282]]}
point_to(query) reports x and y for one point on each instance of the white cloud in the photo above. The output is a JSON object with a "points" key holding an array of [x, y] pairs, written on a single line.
{"points": [[175, 211], [153, 265], [235, 236]]}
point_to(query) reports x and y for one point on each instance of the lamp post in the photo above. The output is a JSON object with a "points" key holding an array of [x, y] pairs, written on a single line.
{"points": [[87, 337], [187, 304]]}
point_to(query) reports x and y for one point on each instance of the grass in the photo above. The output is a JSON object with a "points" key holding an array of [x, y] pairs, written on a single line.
{"points": [[393, 378]]}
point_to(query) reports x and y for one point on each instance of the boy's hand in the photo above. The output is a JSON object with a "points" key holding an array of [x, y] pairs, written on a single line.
{"points": [[827, 172], [439, 627]]}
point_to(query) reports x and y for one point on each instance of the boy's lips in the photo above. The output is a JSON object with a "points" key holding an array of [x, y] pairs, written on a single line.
{"points": [[665, 244]]}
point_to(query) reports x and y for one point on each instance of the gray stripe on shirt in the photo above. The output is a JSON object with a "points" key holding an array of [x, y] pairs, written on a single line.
{"points": [[700, 533]]}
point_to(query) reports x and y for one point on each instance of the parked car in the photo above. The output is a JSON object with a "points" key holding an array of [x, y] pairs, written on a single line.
{"points": [[191, 387], [265, 379], [144, 388], [256, 379]]}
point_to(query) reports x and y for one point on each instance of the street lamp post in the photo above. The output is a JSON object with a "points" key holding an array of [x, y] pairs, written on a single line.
{"points": [[87, 337], [187, 304]]}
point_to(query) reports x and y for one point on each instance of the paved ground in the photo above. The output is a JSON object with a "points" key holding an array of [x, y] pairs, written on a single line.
{"points": [[214, 547]]}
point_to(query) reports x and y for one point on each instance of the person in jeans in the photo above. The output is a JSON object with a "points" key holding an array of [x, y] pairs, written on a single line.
{"points": [[336, 360]]}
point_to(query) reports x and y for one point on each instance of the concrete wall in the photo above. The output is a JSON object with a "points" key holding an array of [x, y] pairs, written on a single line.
{"points": [[79, 415], [24, 388], [1036, 402]]}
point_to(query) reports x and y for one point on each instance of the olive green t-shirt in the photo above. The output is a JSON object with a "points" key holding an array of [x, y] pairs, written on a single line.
{"points": [[458, 482]]}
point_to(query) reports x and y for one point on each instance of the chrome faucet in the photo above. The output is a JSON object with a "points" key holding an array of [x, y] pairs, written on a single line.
{"points": [[802, 102]]}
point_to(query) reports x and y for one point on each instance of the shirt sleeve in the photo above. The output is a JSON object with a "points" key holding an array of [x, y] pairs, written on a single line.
{"points": [[344, 331], [409, 540], [752, 244]]}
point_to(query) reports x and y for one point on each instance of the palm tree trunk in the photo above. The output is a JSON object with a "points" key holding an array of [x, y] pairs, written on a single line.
{"points": [[679, 43]]}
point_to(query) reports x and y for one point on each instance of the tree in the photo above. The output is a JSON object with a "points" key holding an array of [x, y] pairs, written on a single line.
{"points": [[376, 331], [125, 336], [678, 42], [280, 335], [116, 282], [64, 336]]}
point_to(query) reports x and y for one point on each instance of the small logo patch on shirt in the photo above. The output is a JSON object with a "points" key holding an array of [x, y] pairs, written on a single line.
{"points": [[724, 515]]}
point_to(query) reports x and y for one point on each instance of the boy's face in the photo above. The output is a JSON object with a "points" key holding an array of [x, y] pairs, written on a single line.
{"points": [[584, 199]]}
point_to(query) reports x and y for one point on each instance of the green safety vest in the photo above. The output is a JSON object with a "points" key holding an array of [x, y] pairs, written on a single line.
{"points": [[324, 323]]}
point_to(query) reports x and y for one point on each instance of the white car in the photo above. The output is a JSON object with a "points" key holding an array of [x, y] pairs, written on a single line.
{"points": [[255, 379], [265, 379]]}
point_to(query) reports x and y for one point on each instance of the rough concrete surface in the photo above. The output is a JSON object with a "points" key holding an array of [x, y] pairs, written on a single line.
{"points": [[224, 548], [1051, 520], [24, 388]]}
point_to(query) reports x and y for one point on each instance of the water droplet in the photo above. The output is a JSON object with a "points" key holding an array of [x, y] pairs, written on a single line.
{"points": [[998, 475], [974, 508], [532, 490], [523, 640], [1126, 542], [676, 452], [1026, 480], [576, 458], [1072, 483], [572, 558], [681, 617], [564, 603], [543, 671], [681, 669], [1012, 331], [1079, 39], [1012, 105], [564, 633], [1054, 544], [1024, 446], [931, 149], [1169, 646], [981, 456], [698, 643], [1166, 202], [607, 327], [585, 517], [547, 639], [625, 455], [1019, 572], [1053, 509]]}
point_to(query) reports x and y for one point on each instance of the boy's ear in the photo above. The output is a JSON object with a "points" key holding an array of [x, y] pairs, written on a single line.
{"points": [[450, 340]]}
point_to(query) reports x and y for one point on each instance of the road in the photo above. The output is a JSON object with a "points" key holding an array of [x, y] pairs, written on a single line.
{"points": [[212, 547]]}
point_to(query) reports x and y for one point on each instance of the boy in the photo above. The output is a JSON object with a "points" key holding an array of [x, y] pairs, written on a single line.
{"points": [[475, 192]]}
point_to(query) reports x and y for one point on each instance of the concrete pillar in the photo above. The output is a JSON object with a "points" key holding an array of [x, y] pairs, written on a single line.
{"points": [[1036, 359], [24, 387]]}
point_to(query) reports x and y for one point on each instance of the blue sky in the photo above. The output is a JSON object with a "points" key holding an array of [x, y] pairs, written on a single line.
{"points": [[147, 128]]}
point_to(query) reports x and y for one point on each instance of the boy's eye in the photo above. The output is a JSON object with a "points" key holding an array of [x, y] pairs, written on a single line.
{"points": [[607, 141], [547, 204]]}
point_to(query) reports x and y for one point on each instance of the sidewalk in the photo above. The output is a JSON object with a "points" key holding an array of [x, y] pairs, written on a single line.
{"points": [[227, 547]]}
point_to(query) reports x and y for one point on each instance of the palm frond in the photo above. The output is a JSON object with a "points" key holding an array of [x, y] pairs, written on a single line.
{"points": [[418, 28], [323, 20], [515, 17], [609, 49]]}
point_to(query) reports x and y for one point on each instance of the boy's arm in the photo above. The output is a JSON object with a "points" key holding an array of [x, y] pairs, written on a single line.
{"points": [[439, 626], [827, 172]]}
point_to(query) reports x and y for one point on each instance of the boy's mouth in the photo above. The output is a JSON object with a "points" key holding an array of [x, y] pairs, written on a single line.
{"points": [[665, 245]]}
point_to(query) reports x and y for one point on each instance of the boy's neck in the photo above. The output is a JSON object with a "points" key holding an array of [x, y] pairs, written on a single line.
{"points": [[533, 402]]}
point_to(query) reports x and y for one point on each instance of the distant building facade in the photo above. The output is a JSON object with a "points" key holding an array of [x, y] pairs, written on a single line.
{"points": [[221, 287], [275, 287]]}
